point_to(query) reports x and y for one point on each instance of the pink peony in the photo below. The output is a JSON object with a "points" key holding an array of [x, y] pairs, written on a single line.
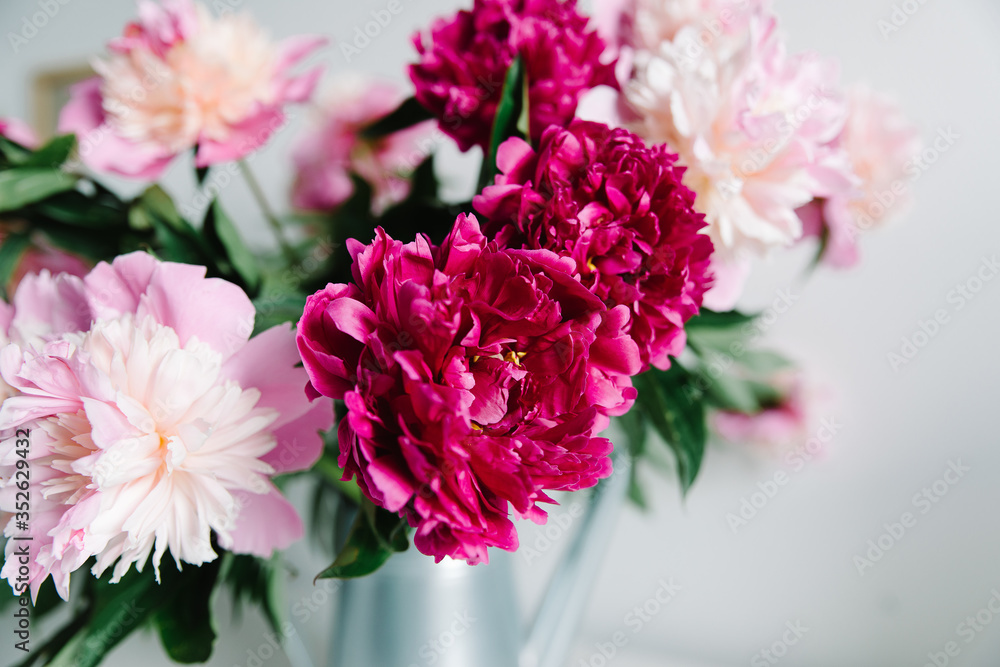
{"points": [[475, 379], [326, 158], [781, 426], [620, 212], [38, 256], [155, 421], [463, 62], [19, 132], [178, 79], [878, 142], [753, 125]]}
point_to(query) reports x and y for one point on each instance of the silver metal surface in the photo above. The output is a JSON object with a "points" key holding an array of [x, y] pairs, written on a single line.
{"points": [[413, 613]]}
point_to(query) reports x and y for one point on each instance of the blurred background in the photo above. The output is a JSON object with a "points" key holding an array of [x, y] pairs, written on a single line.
{"points": [[814, 556]]}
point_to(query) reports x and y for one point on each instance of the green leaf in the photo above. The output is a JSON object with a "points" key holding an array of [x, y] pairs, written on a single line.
{"points": [[82, 241], [710, 319], [185, 621], [505, 122], [524, 119], [53, 154], [221, 233], [15, 153], [176, 239], [76, 209], [23, 186], [407, 114], [678, 416], [728, 392], [374, 537], [11, 250], [257, 581], [118, 609], [277, 307], [764, 362]]}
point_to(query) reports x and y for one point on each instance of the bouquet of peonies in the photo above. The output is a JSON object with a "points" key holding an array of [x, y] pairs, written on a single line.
{"points": [[435, 369]]}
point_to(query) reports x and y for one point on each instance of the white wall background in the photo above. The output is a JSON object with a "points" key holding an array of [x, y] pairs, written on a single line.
{"points": [[794, 561]]}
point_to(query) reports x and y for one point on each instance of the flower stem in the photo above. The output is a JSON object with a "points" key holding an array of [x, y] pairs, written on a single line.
{"points": [[272, 219]]}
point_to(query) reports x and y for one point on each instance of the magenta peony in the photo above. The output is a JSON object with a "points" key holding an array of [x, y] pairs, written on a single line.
{"points": [[178, 79], [620, 211], [154, 420], [475, 378], [463, 62], [327, 156]]}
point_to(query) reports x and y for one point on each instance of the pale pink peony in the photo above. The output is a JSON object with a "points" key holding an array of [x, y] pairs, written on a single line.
{"points": [[19, 132], [155, 421], [878, 142], [40, 256], [753, 125], [328, 155], [179, 79]]}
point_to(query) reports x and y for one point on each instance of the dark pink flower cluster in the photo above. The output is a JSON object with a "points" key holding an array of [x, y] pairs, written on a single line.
{"points": [[464, 60], [620, 211], [475, 377]]}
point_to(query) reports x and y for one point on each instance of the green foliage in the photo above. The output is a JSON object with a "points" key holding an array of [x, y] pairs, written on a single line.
{"points": [[257, 582], [677, 415], [406, 115], [27, 185], [230, 251], [375, 536], [510, 110]]}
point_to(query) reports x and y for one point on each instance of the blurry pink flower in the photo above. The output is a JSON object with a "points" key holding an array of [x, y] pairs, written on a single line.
{"points": [[326, 157], [753, 125], [475, 379], [40, 255], [620, 211], [878, 142], [178, 79], [463, 62], [19, 132], [155, 422], [776, 427]]}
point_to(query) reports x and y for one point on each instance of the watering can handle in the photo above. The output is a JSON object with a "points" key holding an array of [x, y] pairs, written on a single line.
{"points": [[551, 634]]}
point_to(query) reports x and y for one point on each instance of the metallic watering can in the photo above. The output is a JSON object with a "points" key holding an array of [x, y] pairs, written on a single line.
{"points": [[415, 613]]}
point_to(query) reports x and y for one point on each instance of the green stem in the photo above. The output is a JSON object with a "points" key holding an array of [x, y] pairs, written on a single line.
{"points": [[272, 219], [332, 474]]}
